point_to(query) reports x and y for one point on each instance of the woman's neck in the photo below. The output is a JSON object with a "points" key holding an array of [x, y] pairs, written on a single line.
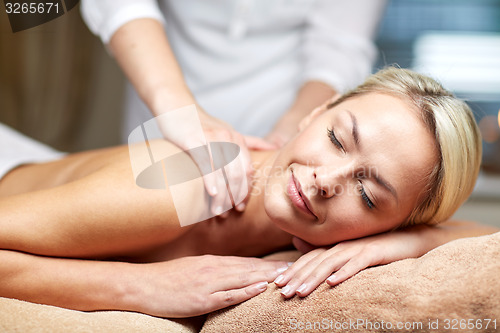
{"points": [[255, 214], [250, 233]]}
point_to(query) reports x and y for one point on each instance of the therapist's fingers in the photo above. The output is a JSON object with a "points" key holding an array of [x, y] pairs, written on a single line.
{"points": [[279, 139], [256, 143], [236, 173], [203, 160], [221, 202], [241, 172]]}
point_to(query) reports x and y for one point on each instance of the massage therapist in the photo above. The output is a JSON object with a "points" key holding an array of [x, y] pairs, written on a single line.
{"points": [[251, 67]]}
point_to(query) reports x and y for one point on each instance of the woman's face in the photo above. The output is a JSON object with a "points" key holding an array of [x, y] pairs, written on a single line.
{"points": [[356, 170]]}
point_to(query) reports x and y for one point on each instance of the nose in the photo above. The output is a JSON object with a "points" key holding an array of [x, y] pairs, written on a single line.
{"points": [[332, 180]]}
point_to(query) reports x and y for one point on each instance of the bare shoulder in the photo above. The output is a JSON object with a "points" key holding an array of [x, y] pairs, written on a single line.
{"points": [[162, 165]]}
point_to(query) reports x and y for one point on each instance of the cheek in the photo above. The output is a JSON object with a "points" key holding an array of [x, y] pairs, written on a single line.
{"points": [[301, 145]]}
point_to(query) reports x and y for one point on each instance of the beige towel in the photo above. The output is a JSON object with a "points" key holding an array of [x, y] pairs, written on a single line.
{"points": [[22, 317], [460, 280], [453, 285]]}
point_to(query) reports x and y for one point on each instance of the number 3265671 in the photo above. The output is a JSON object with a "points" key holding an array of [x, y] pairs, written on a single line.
{"points": [[31, 7]]}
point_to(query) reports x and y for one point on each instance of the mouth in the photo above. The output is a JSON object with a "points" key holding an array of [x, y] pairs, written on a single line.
{"points": [[297, 197]]}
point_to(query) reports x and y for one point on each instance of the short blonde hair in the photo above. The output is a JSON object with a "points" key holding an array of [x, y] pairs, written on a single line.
{"points": [[457, 135]]}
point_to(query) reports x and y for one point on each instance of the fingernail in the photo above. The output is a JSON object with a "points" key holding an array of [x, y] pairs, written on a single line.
{"points": [[302, 287], [214, 190], [290, 263], [261, 286], [279, 279], [240, 207], [285, 290], [282, 269], [218, 210], [331, 279]]}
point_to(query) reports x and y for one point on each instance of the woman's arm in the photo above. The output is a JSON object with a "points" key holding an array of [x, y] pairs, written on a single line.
{"points": [[86, 205], [183, 287], [142, 49], [143, 52], [348, 258]]}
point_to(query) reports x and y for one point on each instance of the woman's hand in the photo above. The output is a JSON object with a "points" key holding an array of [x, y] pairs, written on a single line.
{"points": [[192, 286], [348, 258]]}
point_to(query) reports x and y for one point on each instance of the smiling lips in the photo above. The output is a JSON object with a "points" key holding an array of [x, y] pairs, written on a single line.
{"points": [[298, 199]]}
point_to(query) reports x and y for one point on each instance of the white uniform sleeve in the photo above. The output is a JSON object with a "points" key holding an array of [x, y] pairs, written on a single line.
{"points": [[338, 44], [104, 17], [17, 149]]}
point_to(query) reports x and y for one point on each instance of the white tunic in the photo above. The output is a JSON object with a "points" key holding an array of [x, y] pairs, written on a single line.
{"points": [[17, 149], [244, 60]]}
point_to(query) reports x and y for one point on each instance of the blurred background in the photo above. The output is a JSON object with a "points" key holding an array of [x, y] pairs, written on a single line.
{"points": [[59, 85], [458, 43]]}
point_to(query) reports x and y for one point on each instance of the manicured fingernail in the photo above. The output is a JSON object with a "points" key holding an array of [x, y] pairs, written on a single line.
{"points": [[285, 290], [281, 269], [279, 279], [240, 207], [214, 190], [218, 210], [261, 286], [302, 287], [332, 279]]}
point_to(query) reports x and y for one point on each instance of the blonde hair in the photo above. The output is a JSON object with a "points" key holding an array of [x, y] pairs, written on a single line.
{"points": [[457, 135]]}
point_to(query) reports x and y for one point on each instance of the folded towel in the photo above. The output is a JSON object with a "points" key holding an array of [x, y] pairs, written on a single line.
{"points": [[448, 286], [20, 316], [455, 288]]}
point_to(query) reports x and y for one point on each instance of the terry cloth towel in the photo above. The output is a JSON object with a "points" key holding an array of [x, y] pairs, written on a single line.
{"points": [[455, 284], [25, 317], [459, 280]]}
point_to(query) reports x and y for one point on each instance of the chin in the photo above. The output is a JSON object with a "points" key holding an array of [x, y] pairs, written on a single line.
{"points": [[277, 211], [290, 226]]}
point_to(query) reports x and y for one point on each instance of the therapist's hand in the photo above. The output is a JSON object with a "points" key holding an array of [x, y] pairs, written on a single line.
{"points": [[193, 286], [217, 130], [312, 94], [239, 175], [285, 129], [342, 261]]}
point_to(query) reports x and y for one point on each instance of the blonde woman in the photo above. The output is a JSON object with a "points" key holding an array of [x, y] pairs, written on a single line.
{"points": [[398, 151]]}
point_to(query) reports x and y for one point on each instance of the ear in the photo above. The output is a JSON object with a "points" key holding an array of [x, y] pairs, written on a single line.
{"points": [[317, 111]]}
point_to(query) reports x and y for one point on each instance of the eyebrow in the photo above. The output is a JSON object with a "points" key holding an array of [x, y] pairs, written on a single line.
{"points": [[355, 133], [380, 180]]}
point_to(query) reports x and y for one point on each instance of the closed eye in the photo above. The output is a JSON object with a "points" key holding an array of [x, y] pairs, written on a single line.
{"points": [[334, 139], [365, 197]]}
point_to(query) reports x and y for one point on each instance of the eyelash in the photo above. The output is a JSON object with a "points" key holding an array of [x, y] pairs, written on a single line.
{"points": [[364, 196], [333, 139]]}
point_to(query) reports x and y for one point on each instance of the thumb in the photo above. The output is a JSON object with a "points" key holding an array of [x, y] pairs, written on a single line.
{"points": [[257, 143]]}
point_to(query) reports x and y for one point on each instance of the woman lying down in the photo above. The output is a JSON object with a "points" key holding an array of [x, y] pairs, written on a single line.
{"points": [[78, 232]]}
